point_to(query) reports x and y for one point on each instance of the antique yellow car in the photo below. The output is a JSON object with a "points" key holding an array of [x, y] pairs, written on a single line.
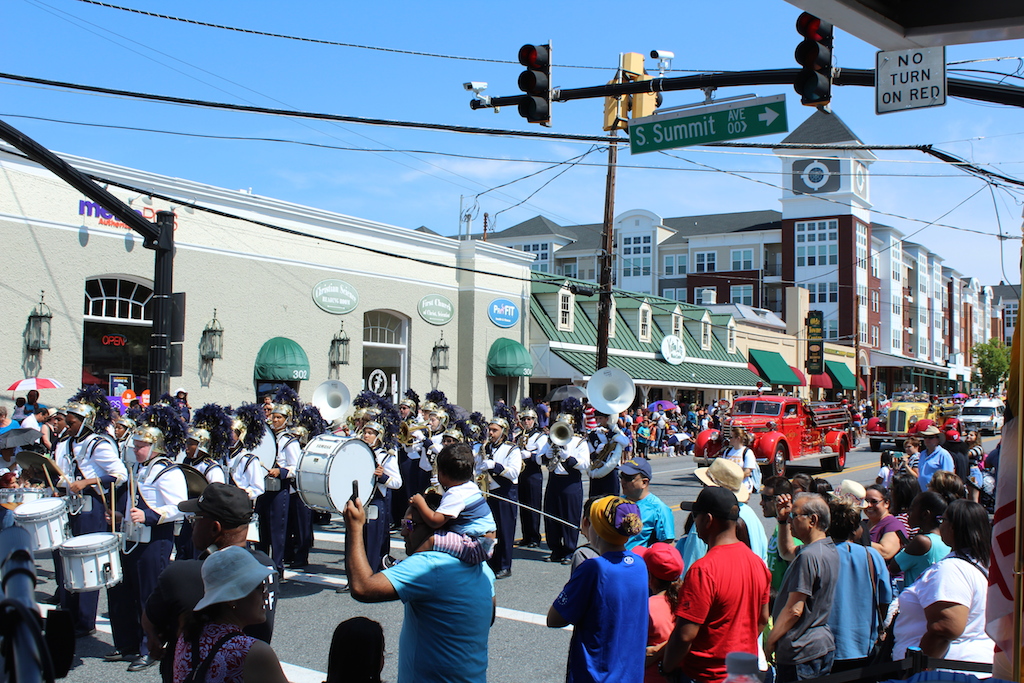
{"points": [[910, 412]]}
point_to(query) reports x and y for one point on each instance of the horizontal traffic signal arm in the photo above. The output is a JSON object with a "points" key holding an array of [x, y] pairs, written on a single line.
{"points": [[974, 90]]}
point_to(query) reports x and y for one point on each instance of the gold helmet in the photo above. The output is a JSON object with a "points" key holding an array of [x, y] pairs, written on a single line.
{"points": [[201, 437], [428, 407], [375, 427], [152, 436], [126, 422], [442, 416], [454, 433], [82, 410], [566, 417], [300, 433], [282, 409], [501, 422]]}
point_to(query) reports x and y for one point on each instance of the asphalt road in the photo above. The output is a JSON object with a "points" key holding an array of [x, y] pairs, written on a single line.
{"points": [[521, 647]]}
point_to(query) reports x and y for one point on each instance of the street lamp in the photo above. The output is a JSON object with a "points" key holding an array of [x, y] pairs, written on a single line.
{"points": [[338, 355], [211, 344], [439, 356], [38, 333]]}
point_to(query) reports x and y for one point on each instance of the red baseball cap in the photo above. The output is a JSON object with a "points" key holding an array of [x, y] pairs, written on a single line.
{"points": [[662, 559], [952, 435]]}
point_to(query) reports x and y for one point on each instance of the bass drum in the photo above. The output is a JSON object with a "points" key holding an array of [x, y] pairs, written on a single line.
{"points": [[327, 468], [194, 480], [266, 450]]}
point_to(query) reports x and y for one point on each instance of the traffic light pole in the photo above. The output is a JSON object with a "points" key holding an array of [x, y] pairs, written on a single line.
{"points": [[604, 302]]}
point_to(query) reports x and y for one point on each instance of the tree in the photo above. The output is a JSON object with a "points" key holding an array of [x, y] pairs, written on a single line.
{"points": [[991, 364]]}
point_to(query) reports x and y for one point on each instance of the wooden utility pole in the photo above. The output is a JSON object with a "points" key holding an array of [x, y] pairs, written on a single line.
{"points": [[604, 302]]}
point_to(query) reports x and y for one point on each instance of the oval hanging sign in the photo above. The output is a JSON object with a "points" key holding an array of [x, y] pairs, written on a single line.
{"points": [[335, 296], [673, 349], [503, 312], [436, 309]]}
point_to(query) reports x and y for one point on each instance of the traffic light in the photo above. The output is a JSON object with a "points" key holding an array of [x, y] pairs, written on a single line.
{"points": [[535, 106], [814, 55]]}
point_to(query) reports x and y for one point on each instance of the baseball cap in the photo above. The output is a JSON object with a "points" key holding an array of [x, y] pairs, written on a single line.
{"points": [[718, 502], [952, 435], [636, 466], [662, 559], [229, 505]]}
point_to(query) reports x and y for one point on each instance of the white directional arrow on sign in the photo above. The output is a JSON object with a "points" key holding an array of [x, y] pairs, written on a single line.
{"points": [[768, 116]]}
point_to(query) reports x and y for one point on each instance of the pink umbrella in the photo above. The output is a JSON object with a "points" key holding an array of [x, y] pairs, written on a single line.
{"points": [[35, 383]]}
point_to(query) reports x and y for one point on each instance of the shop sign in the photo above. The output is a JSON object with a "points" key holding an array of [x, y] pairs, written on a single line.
{"points": [[335, 296], [436, 309], [673, 349], [815, 342], [503, 313]]}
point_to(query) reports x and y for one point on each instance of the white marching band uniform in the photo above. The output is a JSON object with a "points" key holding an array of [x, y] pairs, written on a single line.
{"points": [[576, 448], [288, 452], [95, 456], [600, 440], [430, 447], [563, 496], [247, 473], [502, 463], [389, 461], [507, 456], [162, 488]]}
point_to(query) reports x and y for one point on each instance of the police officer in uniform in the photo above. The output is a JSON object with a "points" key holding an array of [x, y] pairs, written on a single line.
{"points": [[501, 461], [272, 506], [605, 458], [157, 487], [93, 470], [244, 468], [563, 496], [531, 480]]}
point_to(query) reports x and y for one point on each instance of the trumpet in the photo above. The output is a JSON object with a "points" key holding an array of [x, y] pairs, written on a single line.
{"points": [[407, 429]]}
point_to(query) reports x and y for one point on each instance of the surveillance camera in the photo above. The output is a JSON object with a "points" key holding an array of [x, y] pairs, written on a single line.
{"points": [[662, 54], [475, 86]]}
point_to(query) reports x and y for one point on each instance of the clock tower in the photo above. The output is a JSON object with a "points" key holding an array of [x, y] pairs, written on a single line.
{"points": [[826, 225]]}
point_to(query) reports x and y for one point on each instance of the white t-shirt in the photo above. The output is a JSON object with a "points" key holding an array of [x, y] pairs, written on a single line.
{"points": [[948, 580], [744, 457]]}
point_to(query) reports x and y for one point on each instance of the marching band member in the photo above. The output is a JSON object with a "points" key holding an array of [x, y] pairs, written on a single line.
{"points": [[92, 471], [299, 537], [531, 480], [606, 443], [408, 454], [206, 447], [272, 506], [245, 469], [124, 425], [430, 447], [502, 462], [563, 496], [388, 478], [158, 486]]}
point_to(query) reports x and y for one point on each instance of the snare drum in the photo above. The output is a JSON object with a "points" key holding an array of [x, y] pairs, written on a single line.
{"points": [[328, 466], [91, 562], [12, 497], [46, 520]]}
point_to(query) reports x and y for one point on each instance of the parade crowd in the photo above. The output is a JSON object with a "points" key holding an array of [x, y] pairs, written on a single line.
{"points": [[840, 580]]}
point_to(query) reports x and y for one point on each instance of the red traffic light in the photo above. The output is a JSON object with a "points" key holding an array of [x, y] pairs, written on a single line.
{"points": [[535, 56], [813, 28]]}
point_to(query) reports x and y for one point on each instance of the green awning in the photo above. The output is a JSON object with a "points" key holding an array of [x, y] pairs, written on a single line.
{"points": [[773, 367], [658, 372], [508, 358], [281, 360], [841, 375]]}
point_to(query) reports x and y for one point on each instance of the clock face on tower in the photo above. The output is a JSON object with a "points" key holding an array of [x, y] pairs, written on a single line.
{"points": [[860, 178], [816, 176]]}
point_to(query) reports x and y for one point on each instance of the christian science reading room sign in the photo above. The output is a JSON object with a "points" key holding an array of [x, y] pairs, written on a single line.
{"points": [[436, 309], [503, 313], [335, 296], [910, 79]]}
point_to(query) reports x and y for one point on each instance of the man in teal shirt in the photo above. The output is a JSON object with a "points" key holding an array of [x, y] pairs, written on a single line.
{"points": [[449, 605], [658, 524]]}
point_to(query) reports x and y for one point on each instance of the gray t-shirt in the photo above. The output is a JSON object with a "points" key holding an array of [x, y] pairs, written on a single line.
{"points": [[814, 573]]}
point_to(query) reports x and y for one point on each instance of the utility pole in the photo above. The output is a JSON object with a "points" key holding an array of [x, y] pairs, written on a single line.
{"points": [[604, 302]]}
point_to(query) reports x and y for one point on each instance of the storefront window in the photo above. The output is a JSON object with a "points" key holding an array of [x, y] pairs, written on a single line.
{"points": [[116, 335]]}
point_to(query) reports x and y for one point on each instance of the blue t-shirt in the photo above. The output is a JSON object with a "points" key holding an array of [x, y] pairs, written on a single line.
{"points": [[658, 522], [14, 425], [853, 619], [930, 463], [606, 601], [692, 547], [448, 609]]}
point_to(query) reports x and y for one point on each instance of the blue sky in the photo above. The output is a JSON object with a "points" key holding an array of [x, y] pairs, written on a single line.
{"points": [[74, 41]]}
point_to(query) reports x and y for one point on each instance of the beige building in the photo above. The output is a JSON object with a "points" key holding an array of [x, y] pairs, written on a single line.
{"points": [[285, 283]]}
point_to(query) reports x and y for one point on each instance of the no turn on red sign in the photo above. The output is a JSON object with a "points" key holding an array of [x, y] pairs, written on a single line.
{"points": [[910, 79]]}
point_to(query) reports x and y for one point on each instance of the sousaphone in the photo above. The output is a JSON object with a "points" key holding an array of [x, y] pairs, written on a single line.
{"points": [[332, 399], [611, 391]]}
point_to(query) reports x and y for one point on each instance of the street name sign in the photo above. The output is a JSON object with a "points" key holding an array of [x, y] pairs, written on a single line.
{"points": [[726, 121], [910, 79]]}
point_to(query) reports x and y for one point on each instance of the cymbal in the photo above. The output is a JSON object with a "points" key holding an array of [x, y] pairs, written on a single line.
{"points": [[29, 459]]}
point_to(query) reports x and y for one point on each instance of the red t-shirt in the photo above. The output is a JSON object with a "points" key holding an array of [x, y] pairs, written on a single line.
{"points": [[723, 591], [660, 622]]}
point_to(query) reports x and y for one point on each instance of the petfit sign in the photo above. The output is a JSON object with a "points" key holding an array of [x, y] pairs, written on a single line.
{"points": [[503, 313]]}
